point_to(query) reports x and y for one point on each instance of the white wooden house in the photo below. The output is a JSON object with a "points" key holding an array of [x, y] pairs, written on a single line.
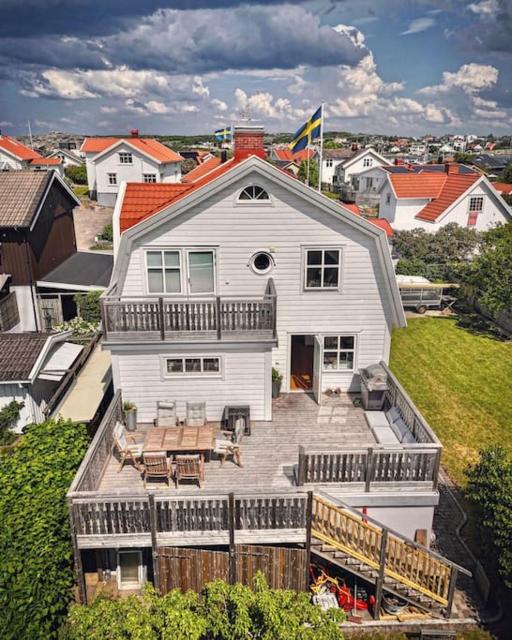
{"points": [[15, 156], [430, 200], [111, 161], [361, 161]]}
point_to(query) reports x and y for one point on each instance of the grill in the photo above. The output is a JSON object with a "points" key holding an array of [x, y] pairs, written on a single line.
{"points": [[374, 384]]}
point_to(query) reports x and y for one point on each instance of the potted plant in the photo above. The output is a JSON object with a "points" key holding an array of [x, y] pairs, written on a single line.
{"points": [[277, 378], [130, 415]]}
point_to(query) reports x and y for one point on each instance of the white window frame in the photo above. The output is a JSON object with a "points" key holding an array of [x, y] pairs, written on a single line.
{"points": [[123, 157], [130, 585], [339, 351], [367, 162], [192, 374], [110, 177], [259, 272], [254, 202], [183, 253], [305, 250], [162, 268], [471, 209], [149, 178], [328, 162]]}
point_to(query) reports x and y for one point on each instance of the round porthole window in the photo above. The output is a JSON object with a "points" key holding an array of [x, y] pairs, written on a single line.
{"points": [[262, 262]]}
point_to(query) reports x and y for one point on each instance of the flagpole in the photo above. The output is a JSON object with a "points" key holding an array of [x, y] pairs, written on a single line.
{"points": [[321, 149], [307, 163]]}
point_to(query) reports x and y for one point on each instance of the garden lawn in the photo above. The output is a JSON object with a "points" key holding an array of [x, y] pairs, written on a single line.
{"points": [[462, 384]]}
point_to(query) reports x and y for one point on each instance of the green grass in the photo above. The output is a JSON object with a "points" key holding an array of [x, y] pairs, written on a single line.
{"points": [[462, 384], [81, 190]]}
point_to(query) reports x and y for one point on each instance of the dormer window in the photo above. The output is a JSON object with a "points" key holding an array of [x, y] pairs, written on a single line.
{"points": [[254, 192], [367, 162], [125, 157]]}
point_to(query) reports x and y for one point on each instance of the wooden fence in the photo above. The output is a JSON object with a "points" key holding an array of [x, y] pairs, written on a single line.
{"points": [[9, 315], [388, 552], [163, 319]]}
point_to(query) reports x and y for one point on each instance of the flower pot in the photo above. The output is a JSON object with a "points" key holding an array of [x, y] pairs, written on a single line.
{"points": [[130, 419], [276, 388]]}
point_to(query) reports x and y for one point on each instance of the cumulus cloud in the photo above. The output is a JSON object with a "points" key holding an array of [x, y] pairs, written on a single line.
{"points": [[469, 78], [220, 105], [419, 25], [484, 8]]}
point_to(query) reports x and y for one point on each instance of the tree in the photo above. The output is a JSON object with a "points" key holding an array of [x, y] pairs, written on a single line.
{"points": [[77, 174], [187, 165], [88, 305], [313, 173], [36, 573], [490, 488], [506, 174], [463, 157], [488, 278], [9, 415], [223, 612]]}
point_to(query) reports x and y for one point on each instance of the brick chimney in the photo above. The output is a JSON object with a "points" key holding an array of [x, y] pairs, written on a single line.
{"points": [[452, 168], [248, 139], [134, 133], [399, 162]]}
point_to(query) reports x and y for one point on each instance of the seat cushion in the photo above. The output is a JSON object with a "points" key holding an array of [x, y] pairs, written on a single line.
{"points": [[376, 419], [392, 415]]}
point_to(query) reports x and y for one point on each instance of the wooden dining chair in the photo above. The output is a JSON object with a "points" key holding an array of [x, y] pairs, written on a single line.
{"points": [[196, 414], [230, 444], [165, 414], [156, 465], [188, 468], [127, 450]]}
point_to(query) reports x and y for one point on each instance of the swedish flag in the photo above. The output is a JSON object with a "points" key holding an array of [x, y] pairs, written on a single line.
{"points": [[309, 131], [223, 135]]}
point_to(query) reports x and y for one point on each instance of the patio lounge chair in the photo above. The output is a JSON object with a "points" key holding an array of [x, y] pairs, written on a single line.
{"points": [[127, 451], [188, 468], [196, 414], [156, 465], [230, 444], [165, 414]]}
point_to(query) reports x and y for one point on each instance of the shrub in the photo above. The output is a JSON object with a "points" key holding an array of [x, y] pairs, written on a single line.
{"points": [[78, 175], [223, 612], [107, 233], [8, 417], [88, 305], [36, 572]]}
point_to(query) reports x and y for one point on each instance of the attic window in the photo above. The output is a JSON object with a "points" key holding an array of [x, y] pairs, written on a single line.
{"points": [[254, 192]]}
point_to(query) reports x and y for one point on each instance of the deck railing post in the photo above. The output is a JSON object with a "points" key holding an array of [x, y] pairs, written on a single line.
{"points": [[436, 470], [161, 318], [451, 591], [380, 578], [232, 550], [309, 527], [217, 311], [104, 318], [370, 463], [301, 467], [154, 548], [77, 556]]}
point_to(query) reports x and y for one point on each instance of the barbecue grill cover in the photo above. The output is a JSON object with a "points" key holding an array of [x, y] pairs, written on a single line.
{"points": [[376, 376]]}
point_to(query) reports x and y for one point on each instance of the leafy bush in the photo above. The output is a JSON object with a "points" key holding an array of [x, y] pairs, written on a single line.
{"points": [[506, 174], [107, 233], [8, 417], [490, 488], [36, 572], [276, 376], [223, 612], [88, 305], [78, 175], [79, 327]]}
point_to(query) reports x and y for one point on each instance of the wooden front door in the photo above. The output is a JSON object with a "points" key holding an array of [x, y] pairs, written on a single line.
{"points": [[301, 363]]}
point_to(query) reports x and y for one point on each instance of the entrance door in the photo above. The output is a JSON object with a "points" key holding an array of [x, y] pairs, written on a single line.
{"points": [[301, 363], [317, 370]]}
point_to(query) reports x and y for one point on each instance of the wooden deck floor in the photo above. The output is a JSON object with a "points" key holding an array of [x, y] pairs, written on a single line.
{"points": [[269, 453]]}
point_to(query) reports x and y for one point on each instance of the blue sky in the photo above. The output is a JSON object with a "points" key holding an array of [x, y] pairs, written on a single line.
{"points": [[189, 66]]}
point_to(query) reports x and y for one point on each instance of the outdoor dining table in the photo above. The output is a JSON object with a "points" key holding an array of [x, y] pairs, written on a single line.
{"points": [[181, 439]]}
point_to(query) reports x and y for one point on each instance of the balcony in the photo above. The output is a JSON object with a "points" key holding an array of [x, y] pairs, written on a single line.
{"points": [[179, 320]]}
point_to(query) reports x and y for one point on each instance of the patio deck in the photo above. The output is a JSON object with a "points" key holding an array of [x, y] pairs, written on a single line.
{"points": [[269, 454]]}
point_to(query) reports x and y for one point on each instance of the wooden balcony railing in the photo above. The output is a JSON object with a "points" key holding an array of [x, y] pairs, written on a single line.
{"points": [[166, 319], [9, 314]]}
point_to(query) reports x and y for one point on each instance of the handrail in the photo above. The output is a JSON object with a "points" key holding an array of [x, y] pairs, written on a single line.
{"points": [[404, 561]]}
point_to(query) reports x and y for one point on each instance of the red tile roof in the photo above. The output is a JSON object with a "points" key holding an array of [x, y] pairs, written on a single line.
{"points": [[150, 146], [202, 169], [417, 185], [17, 149], [453, 187], [502, 187], [44, 161], [286, 154], [143, 200], [378, 222]]}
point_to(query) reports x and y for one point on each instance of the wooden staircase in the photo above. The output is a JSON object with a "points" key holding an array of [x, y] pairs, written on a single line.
{"points": [[383, 557]]}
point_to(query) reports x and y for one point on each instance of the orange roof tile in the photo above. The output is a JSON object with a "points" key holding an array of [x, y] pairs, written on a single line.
{"points": [[382, 223], [417, 185], [202, 169], [453, 188], [17, 149], [150, 146], [286, 154], [502, 187], [48, 161]]}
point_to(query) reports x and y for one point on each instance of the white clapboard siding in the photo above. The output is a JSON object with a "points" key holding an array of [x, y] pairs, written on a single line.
{"points": [[244, 376], [237, 231]]}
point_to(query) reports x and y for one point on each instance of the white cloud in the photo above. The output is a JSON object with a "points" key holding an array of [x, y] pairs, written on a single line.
{"points": [[484, 8], [264, 104], [487, 109], [159, 108], [419, 25], [220, 105], [469, 78], [5, 123]]}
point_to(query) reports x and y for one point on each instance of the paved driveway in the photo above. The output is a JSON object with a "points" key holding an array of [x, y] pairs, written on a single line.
{"points": [[89, 220]]}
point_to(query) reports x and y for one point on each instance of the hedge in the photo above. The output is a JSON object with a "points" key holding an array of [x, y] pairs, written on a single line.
{"points": [[36, 574]]}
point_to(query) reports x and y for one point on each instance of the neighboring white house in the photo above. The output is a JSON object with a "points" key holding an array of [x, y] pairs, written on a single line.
{"points": [[111, 161], [15, 156], [31, 367], [331, 160], [431, 200], [68, 157], [361, 161]]}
